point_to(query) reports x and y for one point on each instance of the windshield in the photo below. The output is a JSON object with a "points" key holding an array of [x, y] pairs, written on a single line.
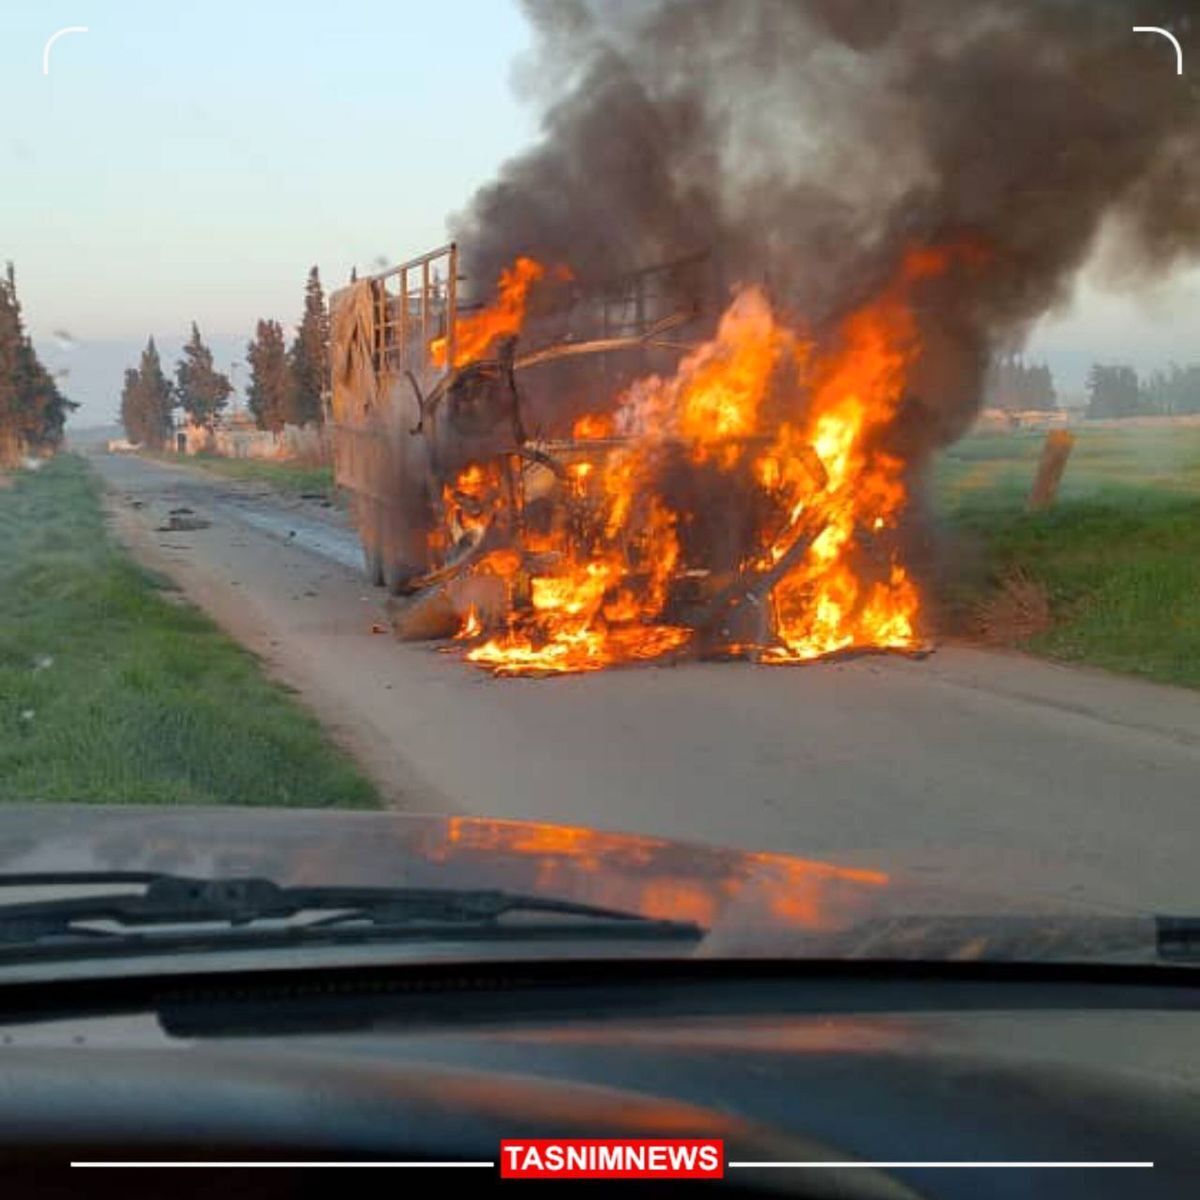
{"points": [[666, 478]]}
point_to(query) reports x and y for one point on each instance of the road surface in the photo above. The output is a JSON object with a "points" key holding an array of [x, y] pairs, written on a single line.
{"points": [[995, 769]]}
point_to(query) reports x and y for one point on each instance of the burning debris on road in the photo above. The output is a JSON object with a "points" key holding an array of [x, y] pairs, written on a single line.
{"points": [[854, 204]]}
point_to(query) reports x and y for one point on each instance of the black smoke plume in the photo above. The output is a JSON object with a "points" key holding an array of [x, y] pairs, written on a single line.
{"points": [[806, 143]]}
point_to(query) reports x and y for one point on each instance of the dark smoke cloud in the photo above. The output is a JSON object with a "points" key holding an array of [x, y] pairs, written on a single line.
{"points": [[805, 143]]}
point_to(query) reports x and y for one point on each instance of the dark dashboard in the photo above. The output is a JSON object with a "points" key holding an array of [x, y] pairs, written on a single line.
{"points": [[796, 1063]]}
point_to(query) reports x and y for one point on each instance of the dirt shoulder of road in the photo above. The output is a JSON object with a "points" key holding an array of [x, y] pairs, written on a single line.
{"points": [[287, 476], [213, 580], [290, 486]]}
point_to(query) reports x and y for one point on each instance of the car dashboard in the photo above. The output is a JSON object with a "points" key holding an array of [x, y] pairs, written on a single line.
{"points": [[785, 1064]]}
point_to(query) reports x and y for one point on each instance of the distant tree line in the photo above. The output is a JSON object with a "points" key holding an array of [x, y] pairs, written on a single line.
{"points": [[1017, 386], [32, 409], [287, 383], [1113, 390], [1116, 391]]}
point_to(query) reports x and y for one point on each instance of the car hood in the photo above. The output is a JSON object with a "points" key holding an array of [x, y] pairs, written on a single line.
{"points": [[751, 903]]}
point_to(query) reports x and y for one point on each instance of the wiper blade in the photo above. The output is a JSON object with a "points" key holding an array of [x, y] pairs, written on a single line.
{"points": [[181, 900]]}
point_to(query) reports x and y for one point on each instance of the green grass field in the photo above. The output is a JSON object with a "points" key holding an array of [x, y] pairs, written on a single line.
{"points": [[112, 689], [291, 478], [1117, 560]]}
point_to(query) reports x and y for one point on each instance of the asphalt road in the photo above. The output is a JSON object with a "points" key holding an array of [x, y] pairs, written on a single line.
{"points": [[968, 766]]}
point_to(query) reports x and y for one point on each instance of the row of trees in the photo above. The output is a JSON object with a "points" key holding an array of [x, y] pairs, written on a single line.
{"points": [[1116, 391], [288, 386], [1017, 386], [149, 399], [1112, 390], [32, 409], [287, 383]]}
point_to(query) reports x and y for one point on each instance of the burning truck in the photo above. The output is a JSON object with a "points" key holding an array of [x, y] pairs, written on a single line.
{"points": [[564, 479], [723, 455]]}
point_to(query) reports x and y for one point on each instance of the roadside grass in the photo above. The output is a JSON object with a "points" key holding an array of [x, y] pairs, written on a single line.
{"points": [[1117, 559], [999, 467], [114, 690], [287, 477]]}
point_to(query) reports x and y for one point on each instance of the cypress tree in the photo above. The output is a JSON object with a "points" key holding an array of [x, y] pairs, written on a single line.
{"points": [[33, 411], [270, 381], [133, 415], [157, 397], [201, 388], [309, 356]]}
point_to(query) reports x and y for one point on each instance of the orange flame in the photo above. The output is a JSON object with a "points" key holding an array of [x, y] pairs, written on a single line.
{"points": [[592, 426], [797, 423], [474, 333], [472, 626], [837, 598]]}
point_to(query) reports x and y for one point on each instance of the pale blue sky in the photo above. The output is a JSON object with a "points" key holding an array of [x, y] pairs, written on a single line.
{"points": [[189, 160]]}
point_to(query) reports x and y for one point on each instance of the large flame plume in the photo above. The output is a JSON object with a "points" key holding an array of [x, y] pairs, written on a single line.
{"points": [[791, 432]]}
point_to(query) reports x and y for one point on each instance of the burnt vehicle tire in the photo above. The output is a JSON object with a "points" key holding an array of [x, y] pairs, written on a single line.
{"points": [[397, 576], [373, 566], [368, 535], [398, 569], [403, 531]]}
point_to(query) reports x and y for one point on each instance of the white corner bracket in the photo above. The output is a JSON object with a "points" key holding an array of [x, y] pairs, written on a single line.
{"points": [[1170, 38], [54, 38]]}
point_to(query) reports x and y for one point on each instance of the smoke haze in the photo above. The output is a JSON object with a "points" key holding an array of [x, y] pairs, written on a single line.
{"points": [[807, 143]]}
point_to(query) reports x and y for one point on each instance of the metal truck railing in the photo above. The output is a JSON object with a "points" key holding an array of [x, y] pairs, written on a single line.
{"points": [[415, 302], [400, 420]]}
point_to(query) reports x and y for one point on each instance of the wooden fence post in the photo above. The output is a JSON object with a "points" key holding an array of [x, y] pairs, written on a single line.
{"points": [[1055, 451]]}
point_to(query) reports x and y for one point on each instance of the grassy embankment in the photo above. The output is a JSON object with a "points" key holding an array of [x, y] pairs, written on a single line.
{"points": [[111, 689], [287, 477], [1110, 576]]}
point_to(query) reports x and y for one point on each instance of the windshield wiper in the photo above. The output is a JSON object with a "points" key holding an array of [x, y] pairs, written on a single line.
{"points": [[177, 900]]}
